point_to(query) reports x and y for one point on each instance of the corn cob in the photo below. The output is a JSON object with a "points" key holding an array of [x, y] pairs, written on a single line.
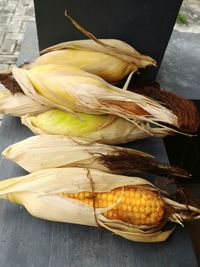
{"points": [[128, 206], [137, 206], [75, 90], [110, 59], [107, 129], [18, 104], [51, 151]]}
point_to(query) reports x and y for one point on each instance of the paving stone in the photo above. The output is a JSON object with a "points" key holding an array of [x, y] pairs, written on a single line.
{"points": [[2, 3], [23, 26], [10, 7], [14, 26], [3, 28], [4, 67], [30, 11], [8, 46], [4, 19], [8, 59], [14, 36], [1, 38]]}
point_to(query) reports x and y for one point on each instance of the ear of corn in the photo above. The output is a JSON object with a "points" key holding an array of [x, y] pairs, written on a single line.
{"points": [[110, 59], [91, 57], [51, 151], [128, 206], [107, 129], [18, 104], [74, 90]]}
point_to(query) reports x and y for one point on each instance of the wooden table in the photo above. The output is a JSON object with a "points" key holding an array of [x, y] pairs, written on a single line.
{"points": [[26, 241]]}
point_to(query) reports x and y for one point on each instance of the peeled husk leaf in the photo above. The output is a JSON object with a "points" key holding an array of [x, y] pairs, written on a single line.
{"points": [[75, 90], [19, 104], [40, 193], [107, 129], [51, 151], [110, 59]]}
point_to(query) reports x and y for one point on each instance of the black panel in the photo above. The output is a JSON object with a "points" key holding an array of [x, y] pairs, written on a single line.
{"points": [[184, 151]]}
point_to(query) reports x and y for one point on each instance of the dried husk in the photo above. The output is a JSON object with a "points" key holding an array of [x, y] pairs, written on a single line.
{"points": [[107, 129], [74, 90], [93, 58], [51, 151], [110, 59], [40, 193], [19, 104]]}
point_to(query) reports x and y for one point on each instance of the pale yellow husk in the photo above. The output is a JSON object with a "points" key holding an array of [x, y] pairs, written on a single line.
{"points": [[94, 58], [75, 90], [39, 193], [19, 104], [110, 59], [52, 151], [107, 129]]}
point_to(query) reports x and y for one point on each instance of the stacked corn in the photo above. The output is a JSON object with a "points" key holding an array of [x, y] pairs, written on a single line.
{"points": [[74, 76], [64, 95]]}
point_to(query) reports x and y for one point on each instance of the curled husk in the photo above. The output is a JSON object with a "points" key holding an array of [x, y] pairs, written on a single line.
{"points": [[52, 151], [74, 90], [107, 129], [110, 59], [41, 194], [19, 104]]}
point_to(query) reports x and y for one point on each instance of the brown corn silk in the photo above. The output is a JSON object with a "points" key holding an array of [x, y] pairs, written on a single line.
{"points": [[50, 194], [185, 109]]}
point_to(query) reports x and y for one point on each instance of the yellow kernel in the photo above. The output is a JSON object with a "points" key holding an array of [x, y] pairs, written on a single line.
{"points": [[81, 195], [137, 202], [103, 203], [120, 212], [125, 214], [148, 209], [128, 200], [127, 193], [143, 201], [137, 215], [142, 209], [110, 213], [104, 195], [87, 194], [124, 206], [143, 216], [110, 203], [129, 208], [115, 198], [110, 197], [135, 209]]}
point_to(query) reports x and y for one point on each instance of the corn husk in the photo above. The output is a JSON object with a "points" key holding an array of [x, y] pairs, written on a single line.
{"points": [[75, 90], [52, 151], [107, 129], [39, 193], [19, 104], [110, 59]]}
